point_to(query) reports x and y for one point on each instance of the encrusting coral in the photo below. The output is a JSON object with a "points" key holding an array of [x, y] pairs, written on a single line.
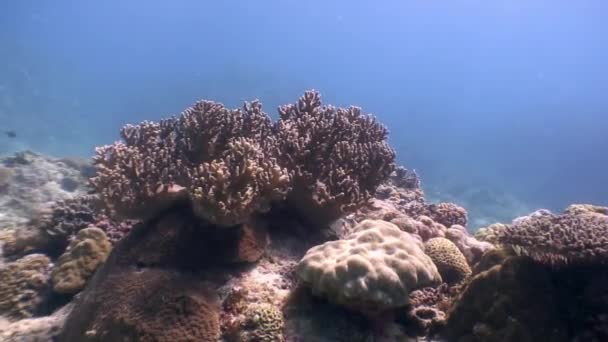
{"points": [[22, 285], [575, 237], [448, 214], [86, 252], [450, 262], [337, 157], [258, 323], [372, 270]]}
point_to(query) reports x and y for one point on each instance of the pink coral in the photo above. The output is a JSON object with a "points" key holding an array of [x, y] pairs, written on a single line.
{"points": [[472, 248]]}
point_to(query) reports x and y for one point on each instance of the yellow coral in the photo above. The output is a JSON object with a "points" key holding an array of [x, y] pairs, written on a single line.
{"points": [[85, 253], [450, 262], [21, 284], [262, 323]]}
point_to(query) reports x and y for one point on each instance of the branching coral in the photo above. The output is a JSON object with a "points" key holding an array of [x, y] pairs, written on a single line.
{"points": [[573, 237], [338, 156], [220, 157], [233, 163]]}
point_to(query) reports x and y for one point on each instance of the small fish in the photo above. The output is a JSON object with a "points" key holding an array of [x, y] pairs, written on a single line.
{"points": [[11, 134]]}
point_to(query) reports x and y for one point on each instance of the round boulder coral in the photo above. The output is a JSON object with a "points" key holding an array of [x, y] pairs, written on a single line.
{"points": [[259, 323], [450, 262], [86, 252], [371, 270], [22, 285]]}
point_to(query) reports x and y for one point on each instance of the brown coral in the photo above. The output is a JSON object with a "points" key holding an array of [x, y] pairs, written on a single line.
{"points": [[560, 239], [338, 157], [258, 323], [23, 285], [448, 214], [450, 262], [244, 180], [220, 157], [86, 252], [515, 301], [153, 285], [148, 305]]}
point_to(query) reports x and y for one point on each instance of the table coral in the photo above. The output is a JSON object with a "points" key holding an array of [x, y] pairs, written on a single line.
{"points": [[577, 236], [373, 269], [450, 262], [86, 252], [23, 285]]}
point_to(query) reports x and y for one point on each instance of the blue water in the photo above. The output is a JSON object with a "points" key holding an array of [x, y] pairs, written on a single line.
{"points": [[501, 105]]}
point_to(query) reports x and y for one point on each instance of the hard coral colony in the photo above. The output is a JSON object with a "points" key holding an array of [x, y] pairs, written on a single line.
{"points": [[301, 229]]}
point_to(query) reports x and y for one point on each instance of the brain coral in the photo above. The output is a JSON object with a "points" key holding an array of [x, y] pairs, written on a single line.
{"points": [[373, 269], [86, 252], [259, 323], [450, 262], [22, 285], [337, 156], [572, 237]]}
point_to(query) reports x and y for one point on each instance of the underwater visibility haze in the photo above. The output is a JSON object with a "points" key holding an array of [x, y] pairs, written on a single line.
{"points": [[483, 171]]}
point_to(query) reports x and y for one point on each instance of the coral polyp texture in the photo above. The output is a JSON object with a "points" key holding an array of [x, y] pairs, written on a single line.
{"points": [[373, 269], [337, 156], [232, 163], [448, 214], [218, 157], [22, 285], [450, 262], [577, 236], [86, 252]]}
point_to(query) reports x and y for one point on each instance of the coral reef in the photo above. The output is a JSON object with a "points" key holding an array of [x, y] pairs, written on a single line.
{"points": [[337, 156], [35, 183], [472, 248], [450, 262], [86, 252], [577, 236], [371, 270], [221, 158], [23, 285]]}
